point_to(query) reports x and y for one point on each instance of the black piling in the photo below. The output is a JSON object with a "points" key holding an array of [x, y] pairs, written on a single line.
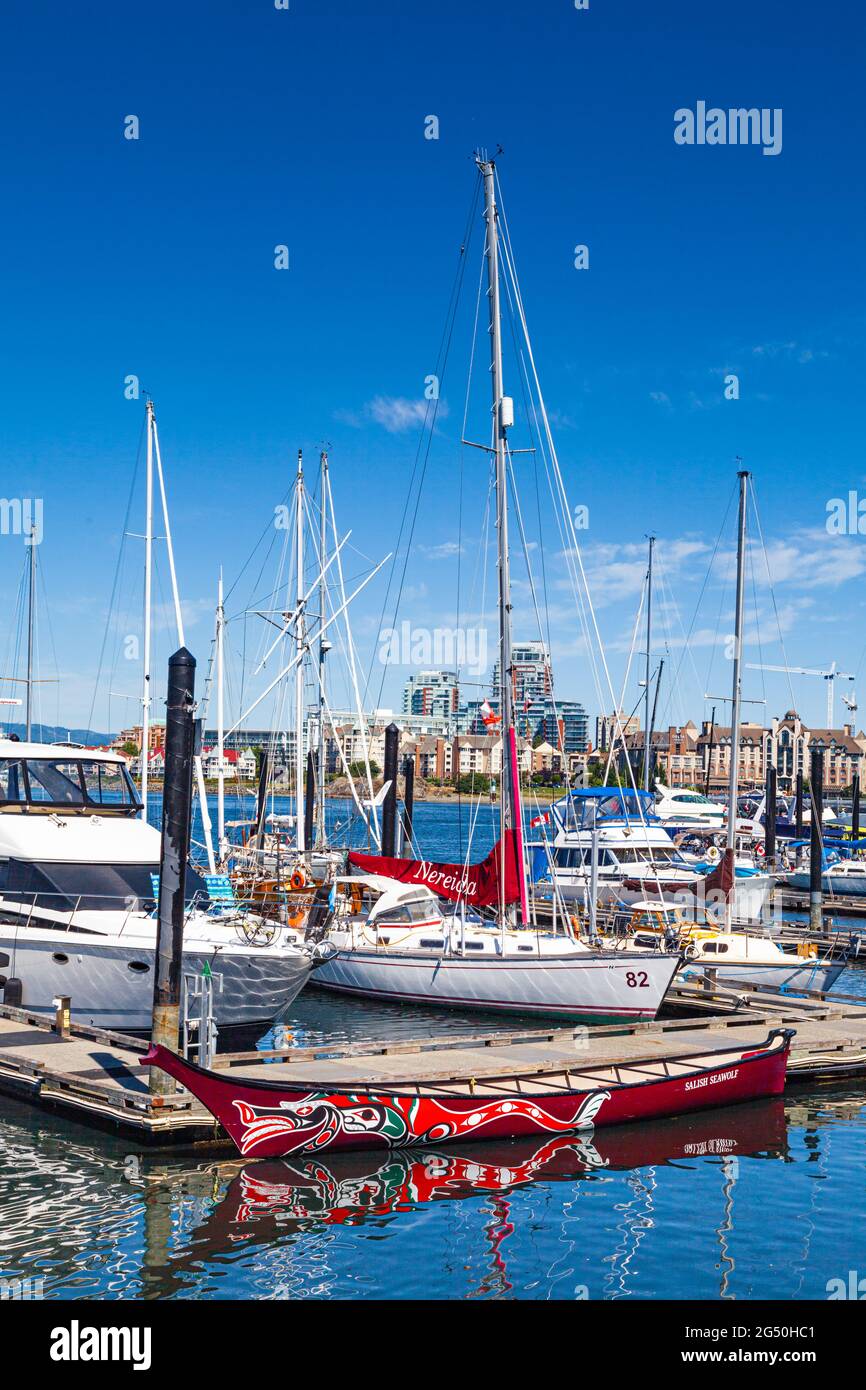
{"points": [[389, 807], [770, 819], [816, 796], [798, 814], [262, 798], [408, 804], [174, 853], [309, 794], [855, 809]]}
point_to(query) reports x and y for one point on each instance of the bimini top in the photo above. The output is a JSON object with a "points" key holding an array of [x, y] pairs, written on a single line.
{"points": [[580, 809], [64, 778]]}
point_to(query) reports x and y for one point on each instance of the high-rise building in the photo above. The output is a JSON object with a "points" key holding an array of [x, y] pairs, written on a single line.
{"points": [[531, 675], [432, 692]]}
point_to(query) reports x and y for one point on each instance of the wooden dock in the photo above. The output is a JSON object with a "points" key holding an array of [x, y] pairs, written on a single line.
{"points": [[95, 1077]]}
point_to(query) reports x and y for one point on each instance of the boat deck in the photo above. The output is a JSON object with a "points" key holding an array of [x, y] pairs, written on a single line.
{"points": [[96, 1077]]}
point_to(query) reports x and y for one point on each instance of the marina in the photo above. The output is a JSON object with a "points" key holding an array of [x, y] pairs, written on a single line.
{"points": [[432, 837]]}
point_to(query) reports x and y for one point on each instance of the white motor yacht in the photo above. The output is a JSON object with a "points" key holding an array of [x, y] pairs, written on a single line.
{"points": [[77, 901]]}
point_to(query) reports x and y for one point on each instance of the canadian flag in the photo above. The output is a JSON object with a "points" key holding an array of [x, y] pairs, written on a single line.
{"points": [[489, 715]]}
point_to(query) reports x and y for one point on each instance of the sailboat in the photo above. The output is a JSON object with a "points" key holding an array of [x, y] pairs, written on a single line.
{"points": [[394, 941]]}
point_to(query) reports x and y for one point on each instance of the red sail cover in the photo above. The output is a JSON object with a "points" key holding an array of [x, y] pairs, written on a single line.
{"points": [[477, 884]]}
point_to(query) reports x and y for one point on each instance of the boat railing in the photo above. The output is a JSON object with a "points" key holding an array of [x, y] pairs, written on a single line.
{"points": [[53, 910]]}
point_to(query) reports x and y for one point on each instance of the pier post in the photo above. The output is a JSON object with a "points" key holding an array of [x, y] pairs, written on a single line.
{"points": [[816, 791], [770, 820], [855, 810], [312, 782], [798, 815], [174, 852], [408, 804], [262, 799], [389, 807]]}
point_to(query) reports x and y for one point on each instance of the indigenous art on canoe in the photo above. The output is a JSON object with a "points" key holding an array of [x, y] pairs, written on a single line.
{"points": [[316, 1121]]}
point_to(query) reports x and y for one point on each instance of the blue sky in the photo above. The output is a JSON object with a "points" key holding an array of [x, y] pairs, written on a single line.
{"points": [[306, 127]]}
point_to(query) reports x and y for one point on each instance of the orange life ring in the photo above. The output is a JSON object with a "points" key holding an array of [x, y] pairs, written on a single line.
{"points": [[296, 920], [298, 880]]}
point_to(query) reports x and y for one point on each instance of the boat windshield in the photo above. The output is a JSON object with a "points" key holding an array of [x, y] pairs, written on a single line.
{"points": [[65, 782], [604, 804]]}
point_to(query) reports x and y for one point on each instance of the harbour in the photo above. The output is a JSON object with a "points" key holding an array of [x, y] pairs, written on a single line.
{"points": [[432, 838]]}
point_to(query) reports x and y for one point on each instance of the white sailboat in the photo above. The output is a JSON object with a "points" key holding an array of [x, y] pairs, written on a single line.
{"points": [[394, 941]]}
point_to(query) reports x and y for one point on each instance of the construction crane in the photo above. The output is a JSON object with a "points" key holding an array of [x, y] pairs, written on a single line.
{"points": [[830, 677], [850, 701]]}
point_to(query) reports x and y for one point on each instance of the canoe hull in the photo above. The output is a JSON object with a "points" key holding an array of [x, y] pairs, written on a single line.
{"points": [[273, 1119]]}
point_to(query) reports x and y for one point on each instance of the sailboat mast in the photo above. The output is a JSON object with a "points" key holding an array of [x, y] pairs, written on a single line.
{"points": [[323, 648], [502, 417], [736, 687], [299, 649], [31, 624], [148, 580], [647, 753], [221, 794]]}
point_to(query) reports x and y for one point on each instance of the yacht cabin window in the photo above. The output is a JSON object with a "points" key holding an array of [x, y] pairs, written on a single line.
{"points": [[66, 782]]}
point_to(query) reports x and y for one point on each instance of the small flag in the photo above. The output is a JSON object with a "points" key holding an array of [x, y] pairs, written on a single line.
{"points": [[488, 715], [540, 820]]}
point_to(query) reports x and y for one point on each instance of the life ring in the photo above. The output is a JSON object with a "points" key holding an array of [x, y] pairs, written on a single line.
{"points": [[297, 919], [298, 880], [713, 855]]}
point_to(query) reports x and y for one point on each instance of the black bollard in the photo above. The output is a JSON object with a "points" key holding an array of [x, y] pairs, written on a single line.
{"points": [[389, 807], [408, 804], [174, 852], [309, 792], [770, 820], [855, 809], [262, 798], [798, 815], [816, 792]]}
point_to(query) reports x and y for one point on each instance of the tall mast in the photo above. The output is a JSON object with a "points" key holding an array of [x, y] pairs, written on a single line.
{"points": [[221, 798], [324, 646], [649, 634], [736, 687], [503, 416], [148, 573], [299, 648], [31, 623]]}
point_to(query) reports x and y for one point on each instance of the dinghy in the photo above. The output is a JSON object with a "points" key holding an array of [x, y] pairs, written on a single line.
{"points": [[270, 1119]]}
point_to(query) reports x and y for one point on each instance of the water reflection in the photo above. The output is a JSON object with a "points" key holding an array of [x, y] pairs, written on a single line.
{"points": [[762, 1200], [266, 1203]]}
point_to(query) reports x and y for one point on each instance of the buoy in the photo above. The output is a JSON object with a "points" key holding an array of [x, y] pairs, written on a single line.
{"points": [[298, 880]]}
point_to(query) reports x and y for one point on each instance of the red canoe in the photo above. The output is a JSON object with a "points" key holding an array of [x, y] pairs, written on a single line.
{"points": [[269, 1119]]}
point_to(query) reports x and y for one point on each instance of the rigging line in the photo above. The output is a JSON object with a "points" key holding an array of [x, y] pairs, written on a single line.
{"points": [[269, 526], [570, 547], [771, 588], [709, 570], [563, 494], [427, 429], [751, 563], [117, 568]]}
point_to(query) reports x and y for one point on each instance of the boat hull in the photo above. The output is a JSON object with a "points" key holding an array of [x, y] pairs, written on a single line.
{"points": [[580, 987], [799, 975], [836, 885], [109, 989], [275, 1119]]}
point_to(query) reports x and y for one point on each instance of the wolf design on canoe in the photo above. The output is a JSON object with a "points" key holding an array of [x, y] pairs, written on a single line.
{"points": [[314, 1123]]}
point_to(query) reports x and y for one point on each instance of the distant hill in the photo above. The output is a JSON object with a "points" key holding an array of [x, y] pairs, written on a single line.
{"points": [[51, 733]]}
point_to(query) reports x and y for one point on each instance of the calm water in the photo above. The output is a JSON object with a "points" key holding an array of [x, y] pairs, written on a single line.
{"points": [[760, 1201]]}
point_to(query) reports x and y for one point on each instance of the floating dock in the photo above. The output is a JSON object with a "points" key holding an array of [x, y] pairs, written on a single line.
{"points": [[96, 1077]]}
